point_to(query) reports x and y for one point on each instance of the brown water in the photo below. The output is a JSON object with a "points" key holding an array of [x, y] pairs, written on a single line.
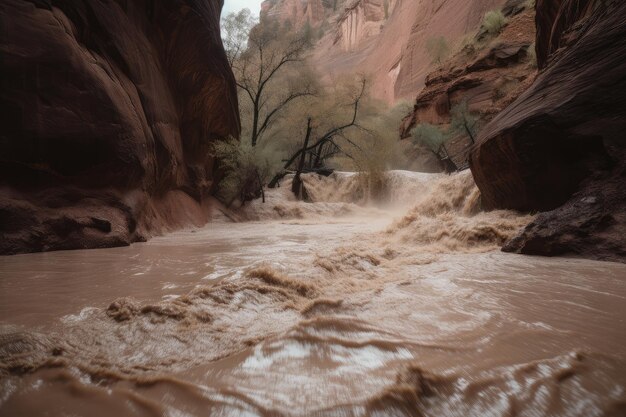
{"points": [[325, 308]]}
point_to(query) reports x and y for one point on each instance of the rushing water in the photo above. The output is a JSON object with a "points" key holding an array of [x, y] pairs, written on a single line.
{"points": [[323, 308]]}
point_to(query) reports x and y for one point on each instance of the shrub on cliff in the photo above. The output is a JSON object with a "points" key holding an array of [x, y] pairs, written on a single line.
{"points": [[245, 170], [532, 55], [493, 22], [463, 121]]}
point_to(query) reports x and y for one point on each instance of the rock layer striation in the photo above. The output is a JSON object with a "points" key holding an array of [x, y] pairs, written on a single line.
{"points": [[560, 145]]}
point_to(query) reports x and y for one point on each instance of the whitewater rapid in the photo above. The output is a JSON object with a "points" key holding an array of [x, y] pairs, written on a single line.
{"points": [[352, 304]]}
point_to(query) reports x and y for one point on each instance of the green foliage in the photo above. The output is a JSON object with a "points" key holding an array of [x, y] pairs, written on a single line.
{"points": [[274, 110], [463, 121], [530, 4], [334, 4], [438, 49], [493, 22], [430, 136], [322, 29], [374, 147], [308, 34], [245, 169], [236, 28]]}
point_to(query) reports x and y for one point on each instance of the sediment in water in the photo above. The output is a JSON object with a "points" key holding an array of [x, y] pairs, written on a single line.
{"points": [[419, 318]]}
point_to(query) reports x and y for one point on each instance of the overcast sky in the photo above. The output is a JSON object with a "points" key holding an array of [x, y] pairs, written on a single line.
{"points": [[236, 5]]}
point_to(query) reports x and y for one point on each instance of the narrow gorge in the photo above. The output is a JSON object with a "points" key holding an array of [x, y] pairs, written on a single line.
{"points": [[334, 208]]}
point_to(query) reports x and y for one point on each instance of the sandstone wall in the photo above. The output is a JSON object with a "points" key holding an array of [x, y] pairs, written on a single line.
{"points": [[108, 110], [560, 145], [297, 12], [487, 74], [391, 47]]}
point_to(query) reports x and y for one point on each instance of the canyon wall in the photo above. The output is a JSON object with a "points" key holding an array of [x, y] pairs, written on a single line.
{"points": [[383, 39], [450, 19], [298, 12], [560, 146], [108, 112], [386, 40], [487, 74], [361, 20]]}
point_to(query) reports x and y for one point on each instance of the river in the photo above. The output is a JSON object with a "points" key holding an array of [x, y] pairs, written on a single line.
{"points": [[328, 308]]}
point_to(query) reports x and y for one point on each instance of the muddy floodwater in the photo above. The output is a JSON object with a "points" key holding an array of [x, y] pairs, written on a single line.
{"points": [[329, 308]]}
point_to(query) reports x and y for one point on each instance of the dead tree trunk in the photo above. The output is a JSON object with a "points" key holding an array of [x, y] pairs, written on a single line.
{"points": [[296, 185], [319, 145]]}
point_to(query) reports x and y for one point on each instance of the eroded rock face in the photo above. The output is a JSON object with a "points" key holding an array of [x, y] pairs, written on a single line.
{"points": [[565, 134], [299, 12], [387, 40], [590, 224], [361, 20], [486, 75], [108, 111], [451, 19]]}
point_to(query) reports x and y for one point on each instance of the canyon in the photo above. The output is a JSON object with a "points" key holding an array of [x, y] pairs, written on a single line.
{"points": [[130, 158], [352, 303], [563, 156]]}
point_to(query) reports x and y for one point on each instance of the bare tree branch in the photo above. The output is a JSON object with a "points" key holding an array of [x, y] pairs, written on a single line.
{"points": [[266, 58], [330, 134]]}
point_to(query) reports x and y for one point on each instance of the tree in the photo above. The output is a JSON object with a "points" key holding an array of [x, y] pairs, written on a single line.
{"points": [[270, 74], [463, 121], [321, 141], [438, 49], [434, 139], [430, 136], [245, 170], [236, 29]]}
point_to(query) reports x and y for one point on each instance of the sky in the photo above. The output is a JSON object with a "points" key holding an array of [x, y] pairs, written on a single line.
{"points": [[236, 5]]}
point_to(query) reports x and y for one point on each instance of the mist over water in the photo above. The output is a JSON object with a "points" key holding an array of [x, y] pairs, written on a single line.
{"points": [[396, 303]]}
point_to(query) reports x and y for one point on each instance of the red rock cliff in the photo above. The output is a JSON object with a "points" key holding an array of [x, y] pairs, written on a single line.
{"points": [[108, 110], [560, 144], [298, 12], [387, 40]]}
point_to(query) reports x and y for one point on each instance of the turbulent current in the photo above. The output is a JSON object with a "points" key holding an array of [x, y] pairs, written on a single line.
{"points": [[352, 304]]}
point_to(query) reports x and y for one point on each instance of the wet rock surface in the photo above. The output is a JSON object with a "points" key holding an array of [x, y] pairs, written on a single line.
{"points": [[590, 224], [108, 112], [561, 142]]}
